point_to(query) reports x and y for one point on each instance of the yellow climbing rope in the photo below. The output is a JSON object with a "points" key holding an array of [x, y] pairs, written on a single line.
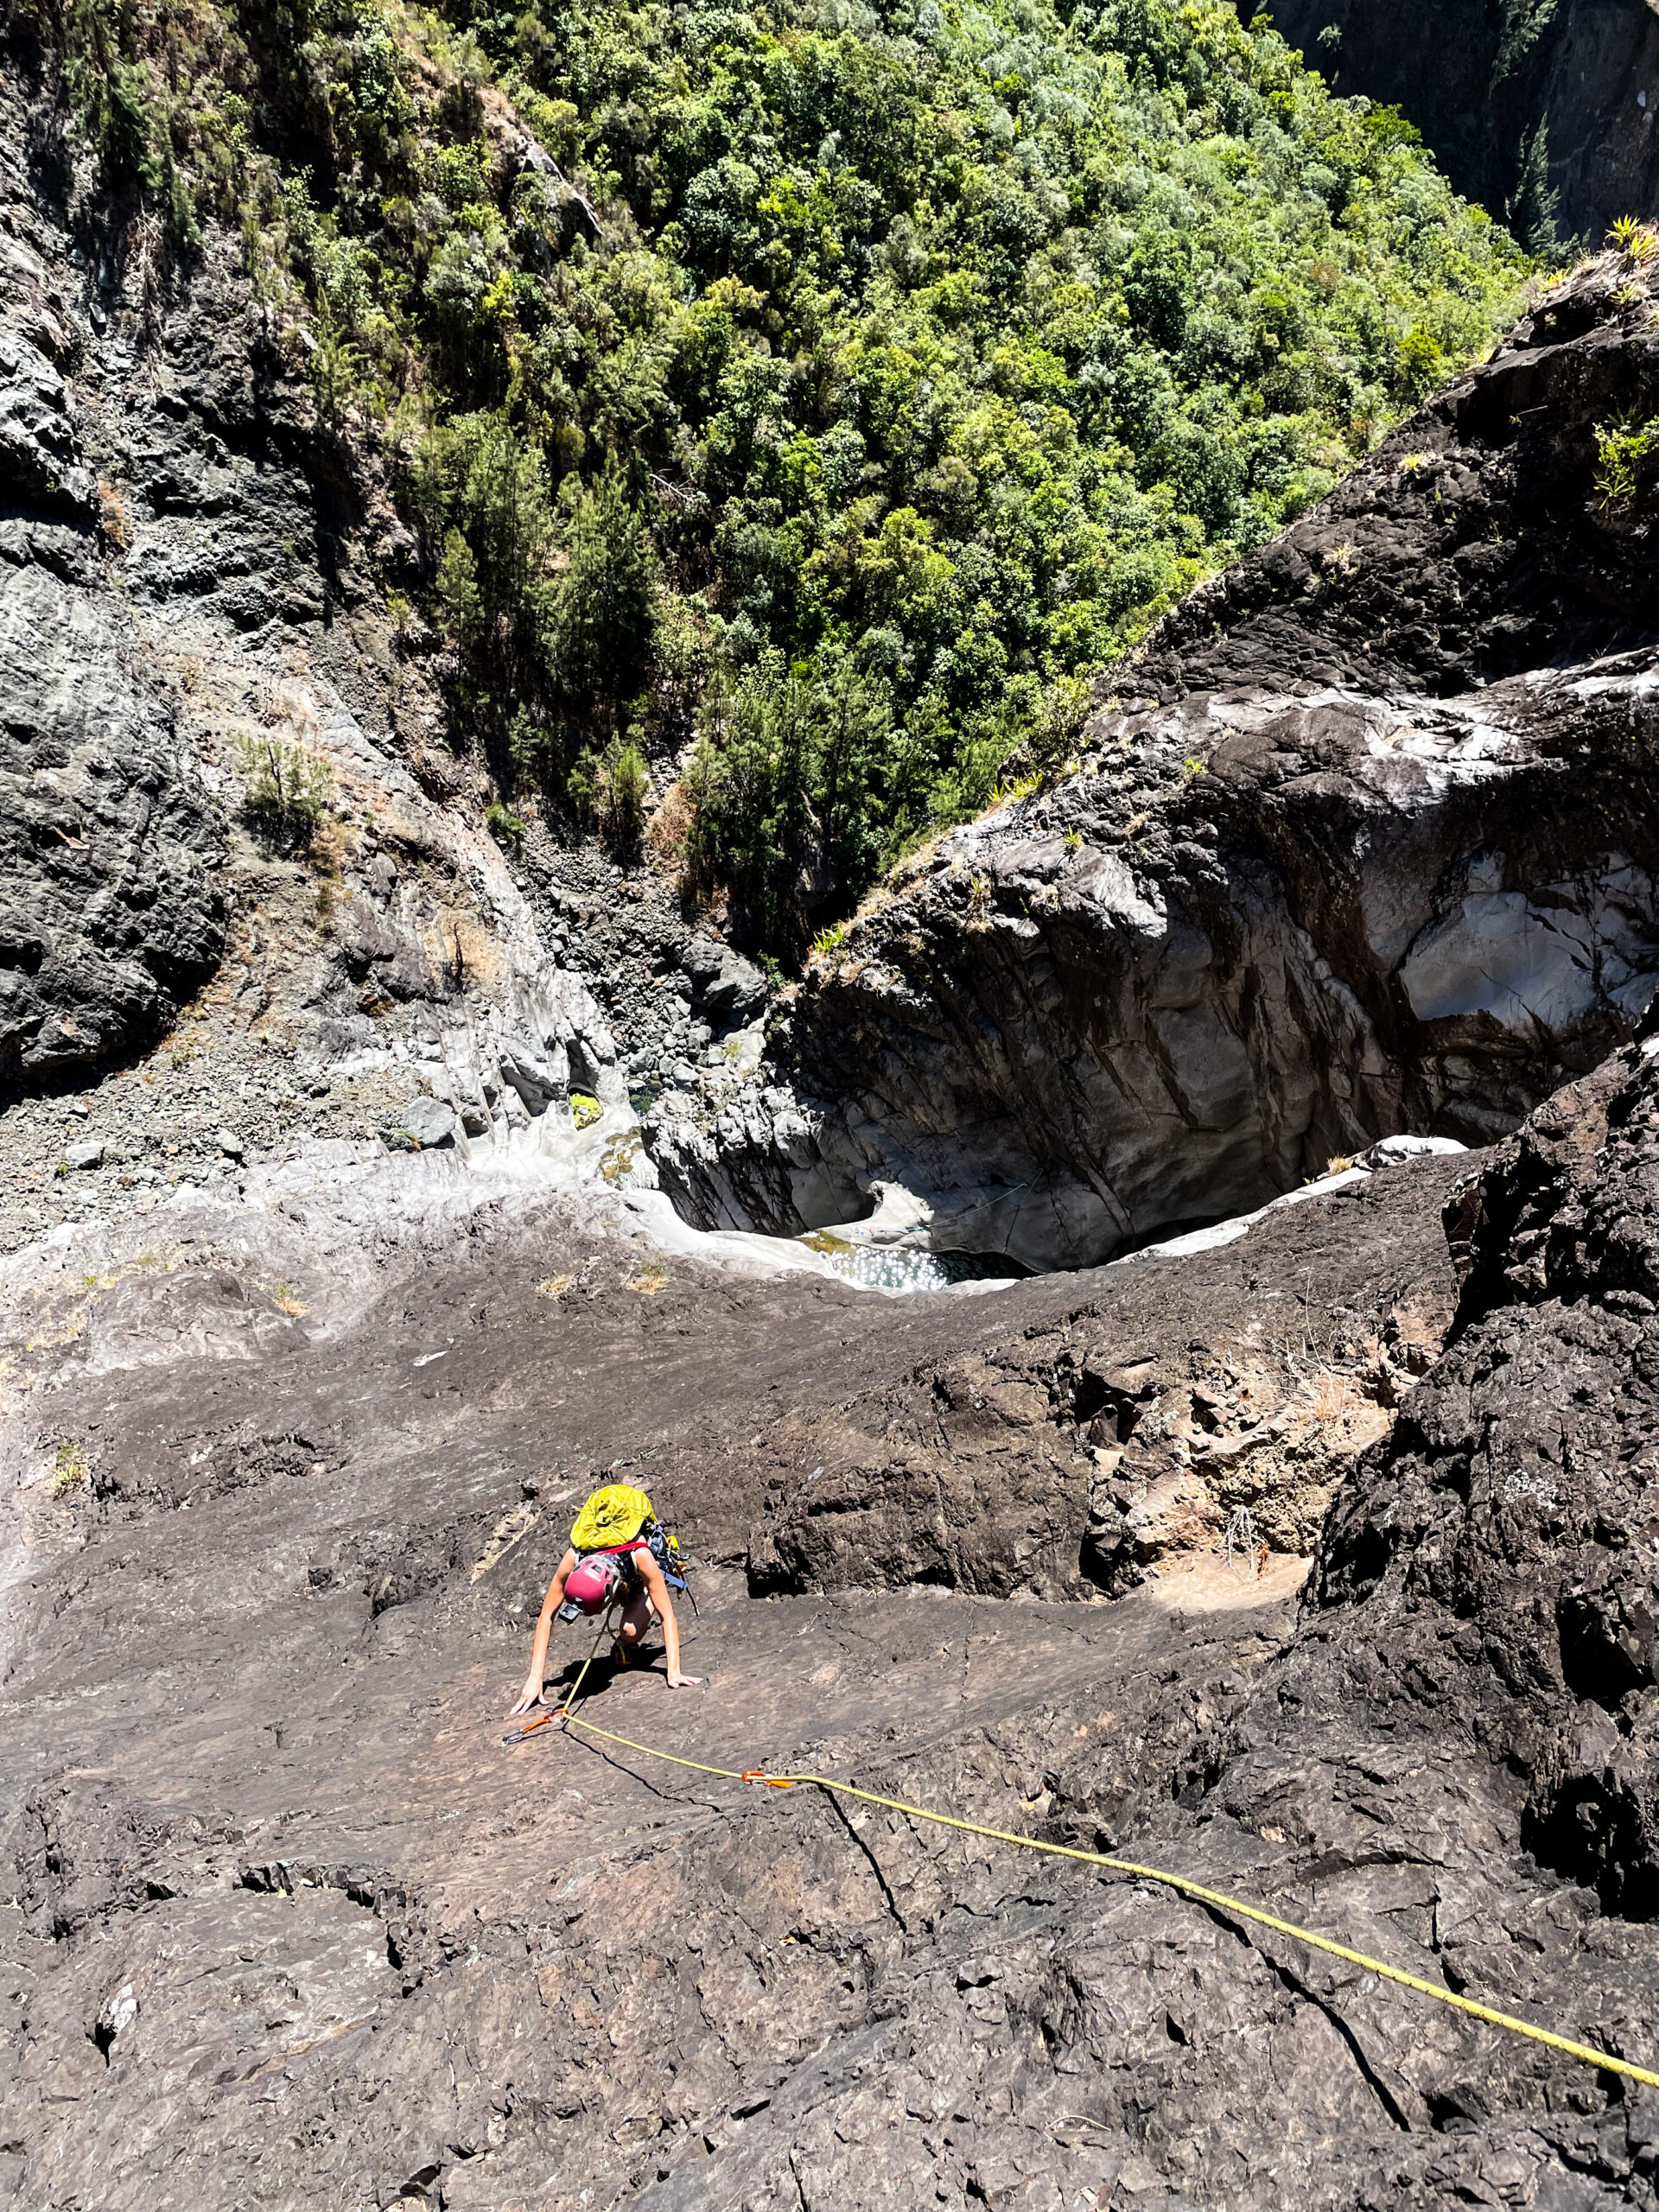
{"points": [[1586, 2054]]}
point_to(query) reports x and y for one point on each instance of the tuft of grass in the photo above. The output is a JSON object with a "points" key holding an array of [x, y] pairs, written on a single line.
{"points": [[829, 942], [71, 1474], [1637, 240], [554, 1287], [1333, 1393]]}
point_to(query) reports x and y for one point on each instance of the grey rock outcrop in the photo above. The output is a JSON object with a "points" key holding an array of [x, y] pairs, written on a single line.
{"points": [[428, 1122], [1366, 841], [724, 987], [112, 911], [1516, 1497]]}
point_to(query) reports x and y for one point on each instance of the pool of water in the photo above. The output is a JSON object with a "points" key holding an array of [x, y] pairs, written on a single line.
{"points": [[878, 1267]]}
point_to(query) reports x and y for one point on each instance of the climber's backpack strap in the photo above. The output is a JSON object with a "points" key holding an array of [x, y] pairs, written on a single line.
{"points": [[665, 1550]]}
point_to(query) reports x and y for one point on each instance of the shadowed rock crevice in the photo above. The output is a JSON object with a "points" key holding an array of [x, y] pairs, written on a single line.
{"points": [[1544, 110]]}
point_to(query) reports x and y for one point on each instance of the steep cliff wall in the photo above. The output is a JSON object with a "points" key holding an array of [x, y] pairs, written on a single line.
{"points": [[194, 599], [1543, 111]]}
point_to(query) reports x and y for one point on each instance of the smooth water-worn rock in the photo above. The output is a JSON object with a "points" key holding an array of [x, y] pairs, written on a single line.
{"points": [[1364, 840]]}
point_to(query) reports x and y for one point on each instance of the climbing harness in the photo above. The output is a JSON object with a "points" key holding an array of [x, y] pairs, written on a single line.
{"points": [[1586, 2054]]}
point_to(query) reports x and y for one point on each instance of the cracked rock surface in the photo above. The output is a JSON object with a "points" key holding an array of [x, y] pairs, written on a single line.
{"points": [[288, 1927]]}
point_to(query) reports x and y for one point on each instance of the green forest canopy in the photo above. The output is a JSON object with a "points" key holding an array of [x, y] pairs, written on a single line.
{"points": [[846, 381]]}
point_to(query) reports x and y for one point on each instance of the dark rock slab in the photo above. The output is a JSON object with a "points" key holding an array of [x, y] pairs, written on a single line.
{"points": [[272, 1872]]}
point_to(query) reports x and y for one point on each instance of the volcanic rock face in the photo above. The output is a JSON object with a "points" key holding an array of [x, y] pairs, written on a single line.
{"points": [[110, 916], [1365, 841], [1067, 1461], [288, 1927], [1516, 1498], [1544, 112]]}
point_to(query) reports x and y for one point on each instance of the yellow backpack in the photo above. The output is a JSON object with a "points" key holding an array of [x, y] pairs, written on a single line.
{"points": [[618, 1512], [613, 1515]]}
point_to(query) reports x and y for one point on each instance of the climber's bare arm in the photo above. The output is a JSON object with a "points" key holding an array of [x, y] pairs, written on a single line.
{"points": [[657, 1591], [531, 1692]]}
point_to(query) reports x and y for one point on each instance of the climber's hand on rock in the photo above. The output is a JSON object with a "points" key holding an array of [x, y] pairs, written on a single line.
{"points": [[679, 1681], [530, 1694]]}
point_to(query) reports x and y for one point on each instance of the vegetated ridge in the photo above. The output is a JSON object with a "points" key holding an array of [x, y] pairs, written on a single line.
{"points": [[847, 385], [1365, 839]]}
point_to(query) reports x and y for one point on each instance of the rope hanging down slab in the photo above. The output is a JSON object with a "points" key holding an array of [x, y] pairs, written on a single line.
{"points": [[1586, 2054]]}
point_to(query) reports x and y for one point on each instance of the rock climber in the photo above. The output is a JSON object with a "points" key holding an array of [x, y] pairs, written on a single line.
{"points": [[618, 1548]]}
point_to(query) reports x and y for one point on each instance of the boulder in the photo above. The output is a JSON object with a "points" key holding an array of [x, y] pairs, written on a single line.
{"points": [[428, 1121], [724, 987]]}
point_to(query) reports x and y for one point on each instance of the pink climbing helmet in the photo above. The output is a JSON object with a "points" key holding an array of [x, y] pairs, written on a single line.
{"points": [[590, 1584]]}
